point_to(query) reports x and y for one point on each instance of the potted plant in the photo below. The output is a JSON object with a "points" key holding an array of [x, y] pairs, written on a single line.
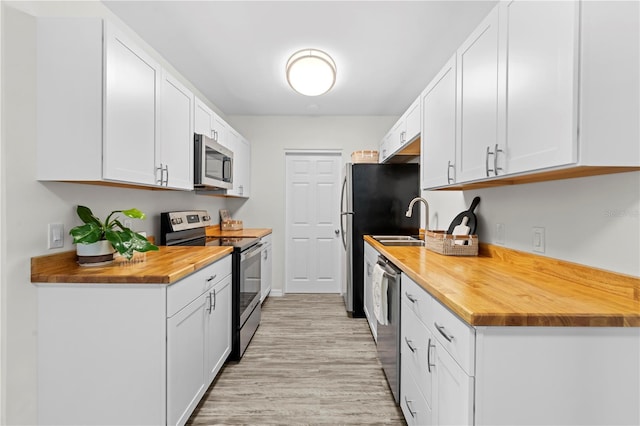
{"points": [[97, 240]]}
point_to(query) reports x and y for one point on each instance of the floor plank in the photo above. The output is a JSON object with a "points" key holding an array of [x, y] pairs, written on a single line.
{"points": [[308, 363]]}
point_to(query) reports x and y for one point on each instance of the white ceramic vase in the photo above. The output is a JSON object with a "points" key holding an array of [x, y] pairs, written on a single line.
{"points": [[95, 254]]}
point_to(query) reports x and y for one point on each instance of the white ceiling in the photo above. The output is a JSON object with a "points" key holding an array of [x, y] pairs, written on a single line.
{"points": [[235, 52]]}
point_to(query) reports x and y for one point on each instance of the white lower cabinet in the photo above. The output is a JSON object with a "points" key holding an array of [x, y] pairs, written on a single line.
{"points": [[123, 354], [198, 344], [266, 267], [455, 374], [370, 260]]}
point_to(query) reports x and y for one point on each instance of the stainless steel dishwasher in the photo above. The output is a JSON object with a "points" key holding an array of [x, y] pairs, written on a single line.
{"points": [[389, 334]]}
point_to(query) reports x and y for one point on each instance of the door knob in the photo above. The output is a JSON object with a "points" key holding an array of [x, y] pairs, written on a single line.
{"points": [[337, 232]]}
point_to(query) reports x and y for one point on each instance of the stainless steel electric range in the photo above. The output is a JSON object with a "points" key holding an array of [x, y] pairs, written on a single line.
{"points": [[188, 228]]}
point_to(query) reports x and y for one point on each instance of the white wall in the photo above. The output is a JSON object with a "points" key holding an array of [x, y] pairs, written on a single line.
{"points": [[270, 136], [28, 206], [593, 221]]}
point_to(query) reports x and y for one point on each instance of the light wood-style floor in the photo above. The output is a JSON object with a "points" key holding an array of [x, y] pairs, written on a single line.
{"points": [[308, 363]]}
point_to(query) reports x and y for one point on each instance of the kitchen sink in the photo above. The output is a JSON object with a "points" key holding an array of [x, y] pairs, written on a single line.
{"points": [[398, 240]]}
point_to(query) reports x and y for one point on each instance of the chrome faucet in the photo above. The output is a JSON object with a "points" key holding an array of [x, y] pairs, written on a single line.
{"points": [[426, 213]]}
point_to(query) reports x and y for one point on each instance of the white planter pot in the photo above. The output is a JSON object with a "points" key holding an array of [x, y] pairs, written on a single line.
{"points": [[95, 254]]}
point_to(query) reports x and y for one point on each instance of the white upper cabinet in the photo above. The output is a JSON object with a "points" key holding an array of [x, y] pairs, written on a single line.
{"points": [[477, 68], [541, 60], [545, 90], [203, 119], [398, 141], [104, 101], [241, 164], [174, 154], [132, 81], [438, 151]]}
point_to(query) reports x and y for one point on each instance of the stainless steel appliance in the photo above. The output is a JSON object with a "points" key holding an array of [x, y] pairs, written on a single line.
{"points": [[212, 165], [389, 334], [374, 201], [187, 228]]}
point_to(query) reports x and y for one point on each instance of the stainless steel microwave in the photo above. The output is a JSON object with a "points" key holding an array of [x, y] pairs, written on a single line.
{"points": [[213, 164]]}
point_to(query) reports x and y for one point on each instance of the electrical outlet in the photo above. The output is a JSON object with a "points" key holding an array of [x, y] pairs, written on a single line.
{"points": [[537, 237], [55, 235], [500, 233]]}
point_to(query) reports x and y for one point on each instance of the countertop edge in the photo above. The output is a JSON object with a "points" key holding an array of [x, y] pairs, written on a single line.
{"points": [[528, 319], [42, 275]]}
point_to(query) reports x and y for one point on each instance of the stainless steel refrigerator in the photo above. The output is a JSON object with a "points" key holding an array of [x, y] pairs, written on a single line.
{"points": [[373, 202]]}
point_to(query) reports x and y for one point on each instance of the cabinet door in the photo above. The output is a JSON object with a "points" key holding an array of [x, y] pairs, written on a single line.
{"points": [[241, 164], [453, 398], [368, 294], [438, 138], [412, 121], [266, 267], [218, 327], [541, 104], [186, 360], [477, 69], [130, 122], [220, 130], [202, 123], [175, 150]]}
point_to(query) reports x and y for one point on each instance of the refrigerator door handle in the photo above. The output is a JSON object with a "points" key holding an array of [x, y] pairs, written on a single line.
{"points": [[343, 213]]}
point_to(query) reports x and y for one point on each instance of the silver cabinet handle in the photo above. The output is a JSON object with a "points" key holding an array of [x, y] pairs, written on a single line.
{"points": [[410, 344], [411, 298], [215, 299], [440, 328], [209, 307], [409, 407], [166, 182], [161, 180], [449, 167], [486, 161], [429, 346], [496, 169]]}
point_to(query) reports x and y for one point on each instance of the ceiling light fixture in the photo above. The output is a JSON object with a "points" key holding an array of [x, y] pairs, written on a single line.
{"points": [[311, 72]]}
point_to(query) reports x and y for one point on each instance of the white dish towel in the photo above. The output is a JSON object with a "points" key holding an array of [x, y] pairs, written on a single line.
{"points": [[380, 305]]}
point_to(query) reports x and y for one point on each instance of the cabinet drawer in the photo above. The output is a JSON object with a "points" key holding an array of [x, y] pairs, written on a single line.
{"points": [[415, 342], [455, 336], [189, 288], [417, 299], [414, 407]]}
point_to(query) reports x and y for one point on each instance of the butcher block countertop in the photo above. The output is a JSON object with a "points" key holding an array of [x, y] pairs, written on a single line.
{"points": [[504, 287], [165, 266], [214, 231]]}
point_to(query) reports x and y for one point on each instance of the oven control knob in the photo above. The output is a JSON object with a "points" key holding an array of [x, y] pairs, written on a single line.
{"points": [[206, 218]]}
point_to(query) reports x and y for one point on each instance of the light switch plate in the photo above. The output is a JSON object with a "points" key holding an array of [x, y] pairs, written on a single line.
{"points": [[537, 239], [55, 235], [500, 233]]}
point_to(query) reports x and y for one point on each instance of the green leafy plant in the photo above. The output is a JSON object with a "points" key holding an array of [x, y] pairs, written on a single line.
{"points": [[123, 239]]}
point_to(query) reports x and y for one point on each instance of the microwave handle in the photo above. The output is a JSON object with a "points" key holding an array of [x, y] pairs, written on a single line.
{"points": [[227, 169]]}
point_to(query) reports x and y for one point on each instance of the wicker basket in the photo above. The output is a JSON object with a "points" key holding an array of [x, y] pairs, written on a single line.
{"points": [[364, 156], [231, 225], [443, 243]]}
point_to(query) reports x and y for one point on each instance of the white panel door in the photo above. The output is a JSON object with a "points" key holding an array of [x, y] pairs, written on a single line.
{"points": [[312, 212]]}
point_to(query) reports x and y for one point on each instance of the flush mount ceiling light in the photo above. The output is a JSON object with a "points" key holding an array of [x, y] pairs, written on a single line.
{"points": [[311, 72]]}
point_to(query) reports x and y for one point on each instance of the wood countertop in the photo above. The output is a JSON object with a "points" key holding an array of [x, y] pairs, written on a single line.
{"points": [[504, 287], [165, 266], [214, 231]]}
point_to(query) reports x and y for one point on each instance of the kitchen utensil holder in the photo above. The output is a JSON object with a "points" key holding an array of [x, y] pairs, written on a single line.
{"points": [[365, 156], [231, 225], [443, 243]]}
